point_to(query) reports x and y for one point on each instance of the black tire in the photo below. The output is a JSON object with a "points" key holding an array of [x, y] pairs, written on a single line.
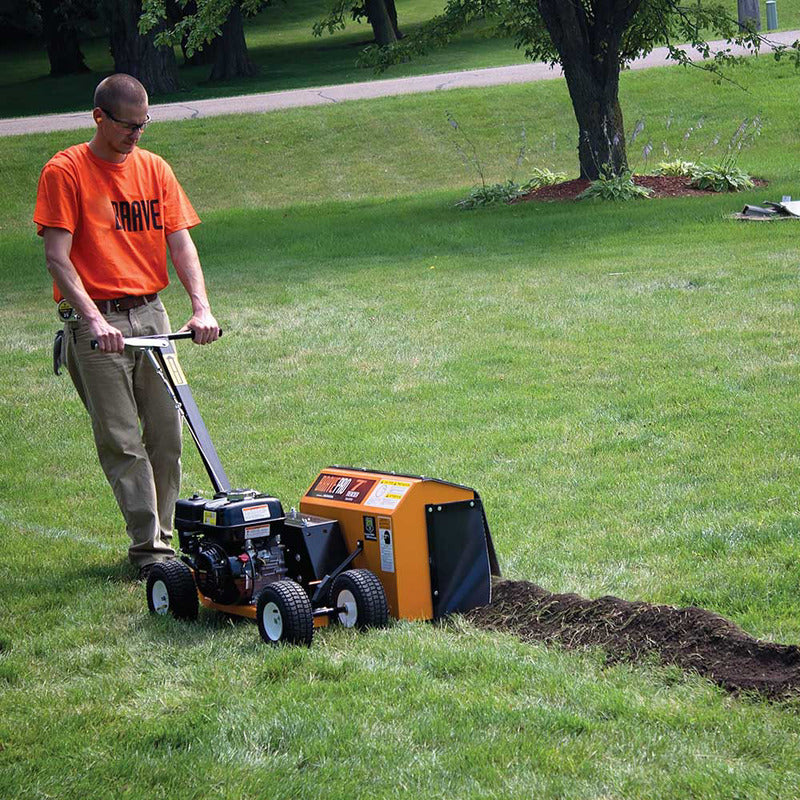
{"points": [[171, 590], [284, 614], [359, 597]]}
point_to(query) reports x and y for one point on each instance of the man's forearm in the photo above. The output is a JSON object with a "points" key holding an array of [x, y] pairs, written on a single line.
{"points": [[191, 276], [57, 247], [71, 286], [190, 273], [187, 266]]}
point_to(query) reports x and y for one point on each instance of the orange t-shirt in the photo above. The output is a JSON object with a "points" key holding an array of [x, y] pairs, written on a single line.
{"points": [[119, 216]]}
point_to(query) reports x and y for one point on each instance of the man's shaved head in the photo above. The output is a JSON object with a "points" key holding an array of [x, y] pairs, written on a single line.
{"points": [[119, 89]]}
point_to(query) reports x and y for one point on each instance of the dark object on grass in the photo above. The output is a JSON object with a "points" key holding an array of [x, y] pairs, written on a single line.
{"points": [[786, 209], [758, 211]]}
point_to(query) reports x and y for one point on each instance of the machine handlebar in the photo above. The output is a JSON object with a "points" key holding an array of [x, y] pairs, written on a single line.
{"points": [[157, 340]]}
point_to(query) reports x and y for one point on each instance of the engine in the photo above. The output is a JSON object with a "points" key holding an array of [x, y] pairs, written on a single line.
{"points": [[232, 542], [240, 541], [239, 578]]}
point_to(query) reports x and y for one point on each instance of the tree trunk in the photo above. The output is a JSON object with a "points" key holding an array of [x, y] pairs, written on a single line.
{"points": [[601, 132], [381, 21], [749, 14], [137, 55], [61, 36], [231, 59], [588, 45], [392, 9]]}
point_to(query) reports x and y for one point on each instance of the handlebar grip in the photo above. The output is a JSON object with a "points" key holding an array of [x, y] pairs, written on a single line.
{"points": [[183, 335]]}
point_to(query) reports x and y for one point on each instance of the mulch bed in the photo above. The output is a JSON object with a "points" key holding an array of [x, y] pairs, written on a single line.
{"points": [[692, 638], [662, 186]]}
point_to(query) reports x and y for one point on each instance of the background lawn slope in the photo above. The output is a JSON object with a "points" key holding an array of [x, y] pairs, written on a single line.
{"points": [[618, 382]]}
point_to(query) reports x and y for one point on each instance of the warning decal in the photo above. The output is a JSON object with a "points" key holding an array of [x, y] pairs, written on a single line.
{"points": [[174, 369], [386, 543], [388, 493], [345, 488], [256, 531], [210, 517], [255, 512]]}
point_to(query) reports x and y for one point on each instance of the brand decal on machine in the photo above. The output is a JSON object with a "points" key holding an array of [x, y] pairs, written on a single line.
{"points": [[388, 493], [347, 489]]}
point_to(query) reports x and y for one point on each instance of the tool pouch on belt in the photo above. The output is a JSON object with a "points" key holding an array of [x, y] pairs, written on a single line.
{"points": [[66, 313], [58, 352]]}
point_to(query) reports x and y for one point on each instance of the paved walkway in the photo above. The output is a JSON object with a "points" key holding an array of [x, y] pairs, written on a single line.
{"points": [[324, 95]]}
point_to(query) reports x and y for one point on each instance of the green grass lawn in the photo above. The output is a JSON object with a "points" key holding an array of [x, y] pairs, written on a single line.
{"points": [[618, 382], [280, 42]]}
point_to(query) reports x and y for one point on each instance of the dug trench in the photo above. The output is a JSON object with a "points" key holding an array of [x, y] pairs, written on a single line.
{"points": [[692, 638]]}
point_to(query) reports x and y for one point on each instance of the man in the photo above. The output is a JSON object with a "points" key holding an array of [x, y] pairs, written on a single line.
{"points": [[108, 211]]}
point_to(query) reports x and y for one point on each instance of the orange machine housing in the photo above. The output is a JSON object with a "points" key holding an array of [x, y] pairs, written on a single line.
{"points": [[427, 540]]}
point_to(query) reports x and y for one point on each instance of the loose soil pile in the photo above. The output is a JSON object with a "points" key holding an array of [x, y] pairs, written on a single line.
{"points": [[692, 638], [662, 186]]}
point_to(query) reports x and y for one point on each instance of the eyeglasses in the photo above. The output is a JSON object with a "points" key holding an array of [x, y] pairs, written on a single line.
{"points": [[131, 127]]}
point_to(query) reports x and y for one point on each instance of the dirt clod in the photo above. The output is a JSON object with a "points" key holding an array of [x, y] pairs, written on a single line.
{"points": [[692, 638]]}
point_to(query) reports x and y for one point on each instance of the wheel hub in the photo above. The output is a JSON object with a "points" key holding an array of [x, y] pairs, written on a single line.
{"points": [[160, 597], [273, 621], [347, 608]]}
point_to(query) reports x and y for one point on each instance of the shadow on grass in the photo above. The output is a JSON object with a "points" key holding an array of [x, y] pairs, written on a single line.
{"points": [[356, 235]]}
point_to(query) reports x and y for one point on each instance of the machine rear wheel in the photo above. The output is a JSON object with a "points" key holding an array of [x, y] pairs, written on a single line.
{"points": [[358, 600], [171, 590], [284, 614]]}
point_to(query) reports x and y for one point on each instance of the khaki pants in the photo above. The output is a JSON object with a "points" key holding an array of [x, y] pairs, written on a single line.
{"points": [[137, 429]]}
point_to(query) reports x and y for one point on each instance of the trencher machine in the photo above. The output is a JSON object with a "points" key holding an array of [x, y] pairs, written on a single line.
{"points": [[364, 544]]}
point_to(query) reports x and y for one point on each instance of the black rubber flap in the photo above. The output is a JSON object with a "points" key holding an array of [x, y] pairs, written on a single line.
{"points": [[459, 556]]}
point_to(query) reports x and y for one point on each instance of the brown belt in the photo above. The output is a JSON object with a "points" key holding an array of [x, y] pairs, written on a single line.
{"points": [[124, 303]]}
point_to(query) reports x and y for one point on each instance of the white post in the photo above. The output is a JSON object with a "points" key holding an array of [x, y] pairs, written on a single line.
{"points": [[772, 15]]}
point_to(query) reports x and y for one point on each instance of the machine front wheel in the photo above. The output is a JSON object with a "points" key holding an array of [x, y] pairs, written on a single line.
{"points": [[171, 590], [358, 600], [284, 614]]}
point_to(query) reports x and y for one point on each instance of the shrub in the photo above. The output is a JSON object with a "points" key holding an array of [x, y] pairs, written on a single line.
{"points": [[615, 187], [490, 194], [678, 167], [721, 177], [541, 177]]}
